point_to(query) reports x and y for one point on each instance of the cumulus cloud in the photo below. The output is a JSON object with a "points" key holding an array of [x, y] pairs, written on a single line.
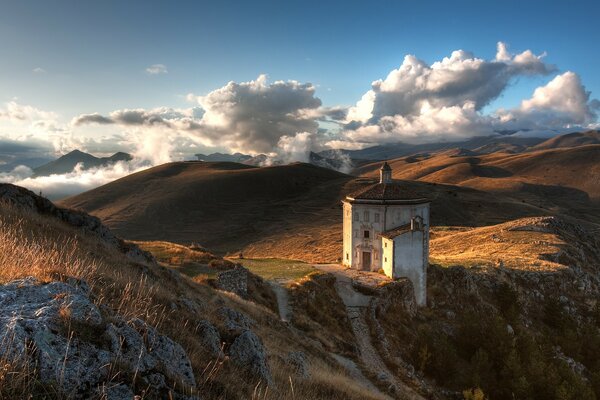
{"points": [[253, 116], [563, 102], [421, 102], [39, 70], [157, 69], [249, 117]]}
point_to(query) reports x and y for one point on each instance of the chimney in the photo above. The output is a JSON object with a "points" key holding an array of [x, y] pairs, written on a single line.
{"points": [[385, 173]]}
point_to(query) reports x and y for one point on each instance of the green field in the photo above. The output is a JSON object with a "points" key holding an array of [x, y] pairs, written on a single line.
{"points": [[276, 268]]}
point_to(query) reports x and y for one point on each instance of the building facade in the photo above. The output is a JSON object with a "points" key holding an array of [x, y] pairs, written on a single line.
{"points": [[385, 226]]}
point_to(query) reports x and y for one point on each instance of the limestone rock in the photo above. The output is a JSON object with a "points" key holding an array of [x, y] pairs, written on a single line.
{"points": [[75, 346], [247, 351]]}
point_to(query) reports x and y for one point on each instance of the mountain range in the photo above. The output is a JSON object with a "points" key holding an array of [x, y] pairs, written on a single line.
{"points": [[69, 161]]}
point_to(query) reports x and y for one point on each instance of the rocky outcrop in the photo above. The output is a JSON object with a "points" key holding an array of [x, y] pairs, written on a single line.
{"points": [[248, 352], [73, 346], [27, 200]]}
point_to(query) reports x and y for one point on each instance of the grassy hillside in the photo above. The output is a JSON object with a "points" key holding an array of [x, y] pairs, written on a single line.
{"points": [[291, 211], [223, 206], [559, 181], [40, 246], [570, 140]]}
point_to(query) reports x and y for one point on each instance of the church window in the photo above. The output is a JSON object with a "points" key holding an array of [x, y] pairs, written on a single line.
{"points": [[385, 259], [366, 234], [356, 216], [385, 245], [366, 216], [347, 256], [376, 217]]}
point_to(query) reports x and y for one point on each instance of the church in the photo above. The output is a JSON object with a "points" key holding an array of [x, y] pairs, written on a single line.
{"points": [[386, 226]]}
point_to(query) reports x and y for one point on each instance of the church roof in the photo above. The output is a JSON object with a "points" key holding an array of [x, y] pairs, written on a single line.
{"points": [[392, 233], [387, 192]]}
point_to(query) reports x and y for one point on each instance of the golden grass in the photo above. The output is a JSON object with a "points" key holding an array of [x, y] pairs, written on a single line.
{"points": [[496, 246], [42, 247]]}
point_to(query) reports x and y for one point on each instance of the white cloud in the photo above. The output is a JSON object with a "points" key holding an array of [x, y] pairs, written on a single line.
{"points": [[563, 102], [39, 70], [157, 69], [20, 113], [443, 101], [77, 181], [249, 116]]}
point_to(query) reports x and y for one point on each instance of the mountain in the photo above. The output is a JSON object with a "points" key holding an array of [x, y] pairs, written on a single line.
{"points": [[396, 150], [574, 139], [69, 161]]}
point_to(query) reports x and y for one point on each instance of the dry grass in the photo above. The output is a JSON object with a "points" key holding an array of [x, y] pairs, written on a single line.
{"points": [[175, 254], [32, 245], [496, 246]]}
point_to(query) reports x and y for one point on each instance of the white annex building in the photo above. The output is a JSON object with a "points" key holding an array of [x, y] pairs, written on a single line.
{"points": [[387, 227]]}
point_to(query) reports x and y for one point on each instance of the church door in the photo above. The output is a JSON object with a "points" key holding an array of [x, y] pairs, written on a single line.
{"points": [[366, 260]]}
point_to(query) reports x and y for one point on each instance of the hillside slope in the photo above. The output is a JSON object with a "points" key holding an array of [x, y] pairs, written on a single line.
{"points": [[564, 180], [291, 211], [570, 140], [99, 324]]}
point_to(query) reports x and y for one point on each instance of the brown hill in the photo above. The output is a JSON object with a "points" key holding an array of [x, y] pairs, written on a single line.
{"points": [[564, 180], [290, 211], [570, 140]]}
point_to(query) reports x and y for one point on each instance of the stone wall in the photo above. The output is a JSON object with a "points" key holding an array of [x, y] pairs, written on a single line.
{"points": [[234, 280]]}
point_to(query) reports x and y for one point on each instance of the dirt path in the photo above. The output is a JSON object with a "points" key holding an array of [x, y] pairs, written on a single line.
{"points": [[283, 301], [356, 304], [355, 372]]}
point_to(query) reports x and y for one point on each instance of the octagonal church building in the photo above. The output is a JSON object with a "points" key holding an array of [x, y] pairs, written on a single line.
{"points": [[386, 226]]}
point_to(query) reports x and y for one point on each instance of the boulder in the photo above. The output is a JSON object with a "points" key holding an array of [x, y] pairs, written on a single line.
{"points": [[248, 352], [298, 362], [234, 321], [210, 338]]}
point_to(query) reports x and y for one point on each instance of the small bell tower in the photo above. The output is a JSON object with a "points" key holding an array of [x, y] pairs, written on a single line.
{"points": [[385, 173]]}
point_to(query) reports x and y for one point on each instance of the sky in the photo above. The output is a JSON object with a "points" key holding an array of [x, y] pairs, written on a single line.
{"points": [[165, 80]]}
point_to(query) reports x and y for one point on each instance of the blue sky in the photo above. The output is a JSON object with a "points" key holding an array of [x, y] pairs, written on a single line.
{"points": [[95, 53]]}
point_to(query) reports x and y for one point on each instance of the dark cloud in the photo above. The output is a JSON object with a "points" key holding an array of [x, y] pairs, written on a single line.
{"points": [[92, 119]]}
